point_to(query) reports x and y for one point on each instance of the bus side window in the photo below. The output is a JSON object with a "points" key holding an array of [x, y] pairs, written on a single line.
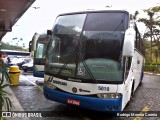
{"points": [[128, 61], [138, 41]]}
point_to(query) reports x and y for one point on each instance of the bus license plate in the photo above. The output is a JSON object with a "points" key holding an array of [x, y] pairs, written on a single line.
{"points": [[73, 102]]}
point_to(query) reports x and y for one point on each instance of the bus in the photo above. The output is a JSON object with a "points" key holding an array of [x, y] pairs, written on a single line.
{"points": [[94, 60], [38, 49]]}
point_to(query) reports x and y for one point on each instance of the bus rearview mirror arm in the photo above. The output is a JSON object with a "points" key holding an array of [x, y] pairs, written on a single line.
{"points": [[49, 32], [30, 46]]}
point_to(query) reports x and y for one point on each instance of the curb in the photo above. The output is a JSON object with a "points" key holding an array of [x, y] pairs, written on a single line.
{"points": [[16, 105]]}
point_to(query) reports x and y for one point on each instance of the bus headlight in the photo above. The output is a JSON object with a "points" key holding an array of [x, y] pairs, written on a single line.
{"points": [[49, 85], [109, 95]]}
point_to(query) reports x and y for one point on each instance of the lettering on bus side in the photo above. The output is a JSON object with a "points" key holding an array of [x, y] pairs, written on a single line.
{"points": [[102, 88], [51, 80]]}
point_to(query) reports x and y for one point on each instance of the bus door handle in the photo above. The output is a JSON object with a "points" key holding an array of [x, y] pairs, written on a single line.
{"points": [[138, 61]]}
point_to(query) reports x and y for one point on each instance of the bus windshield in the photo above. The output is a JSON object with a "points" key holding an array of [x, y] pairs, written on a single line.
{"points": [[88, 46], [40, 52]]}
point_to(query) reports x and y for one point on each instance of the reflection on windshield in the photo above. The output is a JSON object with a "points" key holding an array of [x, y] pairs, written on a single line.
{"points": [[41, 47], [92, 51], [104, 44]]}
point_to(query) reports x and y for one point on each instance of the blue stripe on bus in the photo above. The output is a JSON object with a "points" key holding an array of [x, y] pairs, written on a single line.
{"points": [[38, 73], [97, 104]]}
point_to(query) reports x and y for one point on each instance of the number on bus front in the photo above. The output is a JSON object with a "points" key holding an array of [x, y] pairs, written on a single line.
{"points": [[102, 88]]}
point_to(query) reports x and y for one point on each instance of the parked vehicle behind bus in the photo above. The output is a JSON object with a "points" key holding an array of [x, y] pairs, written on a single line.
{"points": [[28, 66], [38, 47]]}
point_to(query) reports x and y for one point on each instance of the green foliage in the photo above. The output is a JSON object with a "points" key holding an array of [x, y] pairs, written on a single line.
{"points": [[4, 82], [12, 47], [151, 36], [152, 67]]}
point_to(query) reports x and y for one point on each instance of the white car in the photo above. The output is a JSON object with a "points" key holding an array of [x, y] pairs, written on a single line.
{"points": [[28, 66]]}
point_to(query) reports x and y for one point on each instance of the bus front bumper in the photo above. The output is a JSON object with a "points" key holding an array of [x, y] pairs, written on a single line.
{"points": [[92, 103]]}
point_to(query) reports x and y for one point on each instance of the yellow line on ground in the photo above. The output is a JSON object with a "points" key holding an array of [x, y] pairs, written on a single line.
{"points": [[39, 87], [86, 118], [138, 118], [144, 110]]}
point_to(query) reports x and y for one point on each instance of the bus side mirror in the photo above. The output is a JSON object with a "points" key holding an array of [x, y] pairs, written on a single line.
{"points": [[49, 32], [0, 46], [128, 45], [34, 41], [30, 46]]}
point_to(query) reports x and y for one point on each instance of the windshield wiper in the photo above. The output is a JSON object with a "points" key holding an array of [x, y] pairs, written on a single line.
{"points": [[67, 61], [85, 65]]}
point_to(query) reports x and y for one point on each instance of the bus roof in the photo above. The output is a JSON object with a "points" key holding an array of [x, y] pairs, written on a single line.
{"points": [[94, 11]]}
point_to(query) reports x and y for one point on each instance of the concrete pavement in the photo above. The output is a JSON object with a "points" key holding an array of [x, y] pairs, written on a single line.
{"points": [[16, 105]]}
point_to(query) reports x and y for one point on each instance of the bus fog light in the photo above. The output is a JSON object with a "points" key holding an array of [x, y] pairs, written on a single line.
{"points": [[109, 95], [109, 107], [116, 107]]}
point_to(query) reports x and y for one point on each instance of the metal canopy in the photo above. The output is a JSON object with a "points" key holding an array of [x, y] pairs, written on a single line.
{"points": [[10, 12]]}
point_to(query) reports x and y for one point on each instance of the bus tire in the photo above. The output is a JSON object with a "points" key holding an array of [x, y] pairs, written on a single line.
{"points": [[132, 90], [141, 78]]}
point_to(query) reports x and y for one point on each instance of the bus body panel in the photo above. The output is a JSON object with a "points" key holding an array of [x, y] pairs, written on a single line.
{"points": [[39, 67], [133, 78], [137, 68], [38, 48], [91, 103], [82, 88], [38, 71]]}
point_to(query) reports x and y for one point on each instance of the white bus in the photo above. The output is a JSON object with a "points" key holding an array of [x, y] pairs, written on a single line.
{"points": [[38, 47], [94, 60]]}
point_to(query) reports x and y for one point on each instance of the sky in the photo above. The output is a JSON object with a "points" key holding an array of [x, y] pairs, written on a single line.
{"points": [[43, 18]]}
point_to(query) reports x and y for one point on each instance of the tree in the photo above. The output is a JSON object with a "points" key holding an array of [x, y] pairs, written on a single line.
{"points": [[156, 54], [135, 15], [12, 47], [157, 40], [23, 45], [151, 24], [156, 31]]}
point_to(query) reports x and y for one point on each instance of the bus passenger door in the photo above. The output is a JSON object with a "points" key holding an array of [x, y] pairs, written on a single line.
{"points": [[137, 68], [128, 76]]}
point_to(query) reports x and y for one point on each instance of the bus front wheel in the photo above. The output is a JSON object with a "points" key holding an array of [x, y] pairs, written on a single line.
{"points": [[132, 91]]}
